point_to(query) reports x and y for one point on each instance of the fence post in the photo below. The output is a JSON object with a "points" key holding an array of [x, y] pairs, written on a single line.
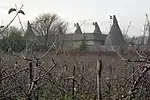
{"points": [[1, 67], [73, 84], [99, 72], [30, 79], [30, 72]]}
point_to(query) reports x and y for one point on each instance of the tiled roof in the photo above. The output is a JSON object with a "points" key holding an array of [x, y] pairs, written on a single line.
{"points": [[85, 36], [97, 29], [78, 35], [95, 36], [78, 29], [29, 32], [115, 36]]}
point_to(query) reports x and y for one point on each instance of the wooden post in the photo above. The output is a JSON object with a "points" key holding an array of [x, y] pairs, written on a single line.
{"points": [[73, 84], [30, 72], [37, 91], [99, 72], [30, 79], [1, 73]]}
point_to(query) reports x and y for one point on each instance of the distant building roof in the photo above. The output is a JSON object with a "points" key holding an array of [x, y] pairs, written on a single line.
{"points": [[29, 32], [148, 41], [85, 36], [78, 29], [100, 37], [115, 36], [97, 29]]}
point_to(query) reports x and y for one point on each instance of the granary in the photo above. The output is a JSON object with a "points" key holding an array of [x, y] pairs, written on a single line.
{"points": [[33, 41], [93, 40], [29, 35], [70, 41], [115, 38]]}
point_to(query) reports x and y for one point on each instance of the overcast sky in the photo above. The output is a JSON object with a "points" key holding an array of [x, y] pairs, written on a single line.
{"points": [[80, 10]]}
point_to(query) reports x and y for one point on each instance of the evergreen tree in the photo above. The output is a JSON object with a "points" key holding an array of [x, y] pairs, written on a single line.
{"points": [[14, 42], [83, 46]]}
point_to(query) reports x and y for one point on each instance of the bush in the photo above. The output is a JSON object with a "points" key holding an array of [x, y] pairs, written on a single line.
{"points": [[14, 42], [83, 46]]}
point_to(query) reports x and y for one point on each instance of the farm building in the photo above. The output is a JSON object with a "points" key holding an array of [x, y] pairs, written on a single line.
{"points": [[95, 40]]}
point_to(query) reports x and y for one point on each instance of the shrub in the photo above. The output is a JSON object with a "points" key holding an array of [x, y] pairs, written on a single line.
{"points": [[14, 42], [83, 46]]}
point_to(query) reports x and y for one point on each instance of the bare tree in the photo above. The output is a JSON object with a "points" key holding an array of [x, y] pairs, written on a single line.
{"points": [[49, 25]]}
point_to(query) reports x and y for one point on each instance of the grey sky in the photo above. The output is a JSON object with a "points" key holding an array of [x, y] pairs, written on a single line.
{"points": [[80, 10]]}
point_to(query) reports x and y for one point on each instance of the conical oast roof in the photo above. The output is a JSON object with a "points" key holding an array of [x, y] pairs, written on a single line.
{"points": [[78, 29], [97, 29], [148, 42], [115, 36], [29, 32]]}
